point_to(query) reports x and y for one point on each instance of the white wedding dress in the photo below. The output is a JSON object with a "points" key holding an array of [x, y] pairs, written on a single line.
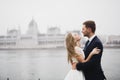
{"points": [[75, 74]]}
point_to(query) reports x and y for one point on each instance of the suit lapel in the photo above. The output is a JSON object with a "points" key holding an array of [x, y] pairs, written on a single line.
{"points": [[87, 49], [92, 41]]}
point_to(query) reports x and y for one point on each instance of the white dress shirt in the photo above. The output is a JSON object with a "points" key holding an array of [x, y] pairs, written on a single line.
{"points": [[91, 38]]}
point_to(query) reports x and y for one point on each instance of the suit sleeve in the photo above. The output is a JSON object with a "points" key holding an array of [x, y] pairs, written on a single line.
{"points": [[94, 61]]}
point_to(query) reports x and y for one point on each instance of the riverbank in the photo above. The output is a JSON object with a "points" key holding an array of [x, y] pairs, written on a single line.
{"points": [[51, 48]]}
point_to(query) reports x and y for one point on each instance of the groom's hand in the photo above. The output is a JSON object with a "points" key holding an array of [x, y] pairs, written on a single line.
{"points": [[74, 66]]}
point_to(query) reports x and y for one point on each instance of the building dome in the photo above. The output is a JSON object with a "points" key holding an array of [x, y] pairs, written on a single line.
{"points": [[32, 23], [13, 32], [32, 28]]}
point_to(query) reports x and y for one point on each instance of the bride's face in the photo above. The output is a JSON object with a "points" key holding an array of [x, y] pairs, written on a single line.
{"points": [[76, 36]]}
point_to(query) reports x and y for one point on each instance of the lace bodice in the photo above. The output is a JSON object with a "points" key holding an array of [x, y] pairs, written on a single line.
{"points": [[78, 50]]}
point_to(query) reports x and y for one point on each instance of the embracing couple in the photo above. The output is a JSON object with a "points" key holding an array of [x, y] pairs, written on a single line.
{"points": [[86, 63]]}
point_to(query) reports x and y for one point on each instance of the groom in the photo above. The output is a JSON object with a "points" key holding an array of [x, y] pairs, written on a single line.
{"points": [[91, 69]]}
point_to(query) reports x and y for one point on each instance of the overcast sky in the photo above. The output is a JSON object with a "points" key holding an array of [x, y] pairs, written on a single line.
{"points": [[66, 14]]}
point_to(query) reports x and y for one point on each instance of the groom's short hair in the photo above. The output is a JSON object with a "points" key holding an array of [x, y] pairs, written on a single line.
{"points": [[90, 24]]}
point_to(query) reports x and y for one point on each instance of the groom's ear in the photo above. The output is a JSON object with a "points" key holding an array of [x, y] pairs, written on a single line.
{"points": [[89, 29]]}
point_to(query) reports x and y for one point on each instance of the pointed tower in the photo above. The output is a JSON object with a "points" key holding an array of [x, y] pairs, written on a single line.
{"points": [[32, 28]]}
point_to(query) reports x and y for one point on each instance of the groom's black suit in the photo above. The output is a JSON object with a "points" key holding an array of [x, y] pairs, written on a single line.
{"points": [[92, 69]]}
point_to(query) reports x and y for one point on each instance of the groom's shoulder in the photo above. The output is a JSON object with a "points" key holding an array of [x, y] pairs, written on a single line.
{"points": [[97, 39]]}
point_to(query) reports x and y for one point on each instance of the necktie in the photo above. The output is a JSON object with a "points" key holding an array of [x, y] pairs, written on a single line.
{"points": [[87, 43]]}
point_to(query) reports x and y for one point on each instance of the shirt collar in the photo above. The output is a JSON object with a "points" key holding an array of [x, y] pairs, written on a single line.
{"points": [[91, 38]]}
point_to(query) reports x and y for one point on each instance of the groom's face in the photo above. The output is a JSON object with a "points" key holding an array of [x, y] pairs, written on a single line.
{"points": [[85, 30]]}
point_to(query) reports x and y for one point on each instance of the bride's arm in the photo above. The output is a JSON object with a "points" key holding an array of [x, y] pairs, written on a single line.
{"points": [[81, 58]]}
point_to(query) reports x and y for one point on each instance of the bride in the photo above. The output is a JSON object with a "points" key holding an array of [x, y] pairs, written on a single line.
{"points": [[76, 54]]}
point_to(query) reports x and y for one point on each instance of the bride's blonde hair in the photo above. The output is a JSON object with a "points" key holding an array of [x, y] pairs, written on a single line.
{"points": [[70, 45]]}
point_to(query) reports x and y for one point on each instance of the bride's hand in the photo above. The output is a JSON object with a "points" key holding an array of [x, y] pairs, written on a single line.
{"points": [[95, 51]]}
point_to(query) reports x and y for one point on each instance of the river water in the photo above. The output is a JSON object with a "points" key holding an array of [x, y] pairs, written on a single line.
{"points": [[49, 64]]}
